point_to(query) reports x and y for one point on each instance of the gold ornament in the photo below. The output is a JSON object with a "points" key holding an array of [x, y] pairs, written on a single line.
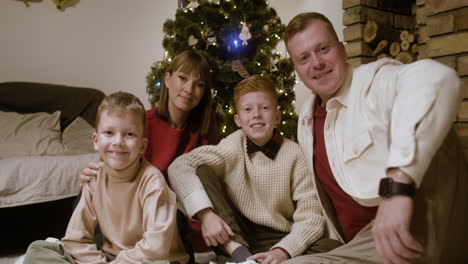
{"points": [[240, 69], [60, 3], [192, 40]]}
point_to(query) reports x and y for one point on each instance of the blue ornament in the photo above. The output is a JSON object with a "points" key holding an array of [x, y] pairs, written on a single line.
{"points": [[157, 86]]}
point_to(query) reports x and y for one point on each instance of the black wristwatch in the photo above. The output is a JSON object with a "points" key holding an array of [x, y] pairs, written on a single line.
{"points": [[388, 187]]}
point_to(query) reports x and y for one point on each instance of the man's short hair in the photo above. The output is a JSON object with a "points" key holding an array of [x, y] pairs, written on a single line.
{"points": [[301, 21], [255, 83], [122, 102]]}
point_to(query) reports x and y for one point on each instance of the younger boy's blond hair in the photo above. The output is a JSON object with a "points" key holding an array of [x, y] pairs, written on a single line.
{"points": [[122, 102], [255, 83]]}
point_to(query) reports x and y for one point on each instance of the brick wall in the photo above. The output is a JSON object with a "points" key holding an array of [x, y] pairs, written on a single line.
{"points": [[394, 14], [440, 28]]}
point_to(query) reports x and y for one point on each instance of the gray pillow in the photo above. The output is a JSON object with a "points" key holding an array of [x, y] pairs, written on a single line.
{"points": [[30, 134]]}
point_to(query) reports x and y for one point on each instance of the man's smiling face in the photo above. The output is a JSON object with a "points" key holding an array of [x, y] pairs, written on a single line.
{"points": [[319, 59]]}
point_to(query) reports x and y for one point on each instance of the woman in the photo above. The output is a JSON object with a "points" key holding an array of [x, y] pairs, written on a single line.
{"points": [[183, 119], [181, 122]]}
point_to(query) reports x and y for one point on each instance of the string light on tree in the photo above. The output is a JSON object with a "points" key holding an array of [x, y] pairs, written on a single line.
{"points": [[239, 39]]}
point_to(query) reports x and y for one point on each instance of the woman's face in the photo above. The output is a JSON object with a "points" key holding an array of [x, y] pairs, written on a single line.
{"points": [[185, 91]]}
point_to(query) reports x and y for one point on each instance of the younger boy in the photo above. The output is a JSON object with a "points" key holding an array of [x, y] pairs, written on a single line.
{"points": [[259, 196], [129, 200]]}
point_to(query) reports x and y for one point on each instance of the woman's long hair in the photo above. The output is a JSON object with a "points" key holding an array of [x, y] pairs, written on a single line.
{"points": [[190, 62]]}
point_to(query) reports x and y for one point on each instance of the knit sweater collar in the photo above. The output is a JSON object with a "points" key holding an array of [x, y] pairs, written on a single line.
{"points": [[123, 175]]}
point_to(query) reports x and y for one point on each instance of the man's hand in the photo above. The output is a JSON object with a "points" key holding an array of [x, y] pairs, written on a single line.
{"points": [[391, 230], [214, 230], [275, 256], [88, 173]]}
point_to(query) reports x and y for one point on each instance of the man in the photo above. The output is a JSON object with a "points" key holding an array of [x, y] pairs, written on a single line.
{"points": [[389, 171]]}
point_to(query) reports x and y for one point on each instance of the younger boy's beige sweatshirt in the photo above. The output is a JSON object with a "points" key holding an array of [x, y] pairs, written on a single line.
{"points": [[136, 213]]}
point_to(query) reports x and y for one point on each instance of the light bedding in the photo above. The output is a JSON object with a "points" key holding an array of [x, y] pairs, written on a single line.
{"points": [[47, 173], [30, 134]]}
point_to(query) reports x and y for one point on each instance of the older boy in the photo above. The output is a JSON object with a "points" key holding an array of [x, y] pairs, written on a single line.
{"points": [[129, 200], [259, 197]]}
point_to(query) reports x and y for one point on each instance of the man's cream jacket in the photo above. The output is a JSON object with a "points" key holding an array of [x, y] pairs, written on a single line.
{"points": [[385, 115]]}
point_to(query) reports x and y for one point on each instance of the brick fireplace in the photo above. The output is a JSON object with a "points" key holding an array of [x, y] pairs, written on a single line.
{"points": [[417, 29]]}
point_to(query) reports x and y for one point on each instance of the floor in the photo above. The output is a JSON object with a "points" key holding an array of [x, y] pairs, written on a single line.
{"points": [[9, 258]]}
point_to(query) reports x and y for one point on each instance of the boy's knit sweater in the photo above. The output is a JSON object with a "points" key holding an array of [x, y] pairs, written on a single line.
{"points": [[274, 193], [136, 213]]}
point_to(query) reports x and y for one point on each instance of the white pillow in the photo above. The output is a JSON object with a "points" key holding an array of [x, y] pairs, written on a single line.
{"points": [[29, 134], [77, 137]]}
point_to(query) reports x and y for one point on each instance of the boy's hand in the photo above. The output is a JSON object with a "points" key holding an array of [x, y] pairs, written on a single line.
{"points": [[215, 231], [88, 173], [275, 256]]}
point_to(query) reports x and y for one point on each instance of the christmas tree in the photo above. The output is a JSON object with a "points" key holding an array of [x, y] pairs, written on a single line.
{"points": [[238, 38]]}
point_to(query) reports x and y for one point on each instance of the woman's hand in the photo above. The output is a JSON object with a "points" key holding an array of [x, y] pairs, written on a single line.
{"points": [[88, 173], [215, 231]]}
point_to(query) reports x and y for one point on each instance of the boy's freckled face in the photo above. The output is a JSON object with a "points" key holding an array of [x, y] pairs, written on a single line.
{"points": [[257, 116], [119, 139]]}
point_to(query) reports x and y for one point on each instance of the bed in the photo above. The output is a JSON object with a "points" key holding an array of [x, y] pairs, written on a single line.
{"points": [[45, 140]]}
